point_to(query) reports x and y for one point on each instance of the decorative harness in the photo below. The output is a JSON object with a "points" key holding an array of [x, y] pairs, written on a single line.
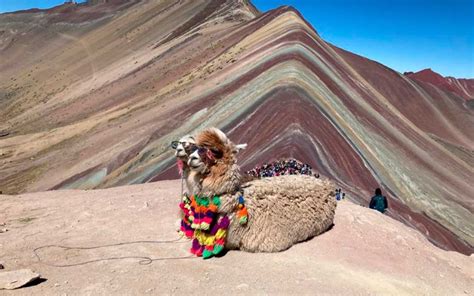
{"points": [[201, 221]]}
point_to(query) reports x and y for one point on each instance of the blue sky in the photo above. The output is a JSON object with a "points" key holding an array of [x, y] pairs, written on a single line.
{"points": [[13, 5], [406, 35]]}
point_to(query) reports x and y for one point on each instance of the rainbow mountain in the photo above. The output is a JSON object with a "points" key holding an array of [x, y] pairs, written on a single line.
{"points": [[91, 95]]}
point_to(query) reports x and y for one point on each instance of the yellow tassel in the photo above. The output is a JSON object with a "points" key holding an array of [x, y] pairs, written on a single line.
{"points": [[220, 233]]}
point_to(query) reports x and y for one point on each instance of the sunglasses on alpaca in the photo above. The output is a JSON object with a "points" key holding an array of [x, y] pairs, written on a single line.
{"points": [[174, 144], [201, 150], [205, 152]]}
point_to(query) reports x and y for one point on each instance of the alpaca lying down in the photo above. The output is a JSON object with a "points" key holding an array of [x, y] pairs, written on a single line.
{"points": [[282, 211]]}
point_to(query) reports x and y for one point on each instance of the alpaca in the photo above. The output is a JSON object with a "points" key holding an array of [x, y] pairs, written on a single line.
{"points": [[282, 211], [183, 149]]}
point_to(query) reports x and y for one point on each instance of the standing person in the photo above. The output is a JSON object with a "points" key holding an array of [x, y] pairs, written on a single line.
{"points": [[338, 194], [378, 201]]}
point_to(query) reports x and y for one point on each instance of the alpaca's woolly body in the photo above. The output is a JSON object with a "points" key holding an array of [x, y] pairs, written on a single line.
{"points": [[282, 211]]}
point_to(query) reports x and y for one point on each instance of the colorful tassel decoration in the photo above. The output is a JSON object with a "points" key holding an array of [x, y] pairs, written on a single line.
{"points": [[208, 232], [242, 213], [186, 229], [202, 223]]}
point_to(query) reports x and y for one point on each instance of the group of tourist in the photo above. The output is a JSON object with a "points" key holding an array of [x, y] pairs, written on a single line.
{"points": [[282, 167]]}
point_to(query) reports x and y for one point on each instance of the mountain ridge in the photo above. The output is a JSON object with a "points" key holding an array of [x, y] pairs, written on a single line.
{"points": [[464, 87]]}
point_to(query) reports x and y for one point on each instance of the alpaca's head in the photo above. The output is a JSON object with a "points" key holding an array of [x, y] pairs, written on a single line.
{"points": [[183, 147], [213, 147], [214, 160]]}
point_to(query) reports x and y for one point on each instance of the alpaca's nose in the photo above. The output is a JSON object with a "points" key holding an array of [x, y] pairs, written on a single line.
{"points": [[193, 157]]}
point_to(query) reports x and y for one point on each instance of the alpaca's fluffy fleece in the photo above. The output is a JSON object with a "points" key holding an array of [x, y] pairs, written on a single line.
{"points": [[282, 211]]}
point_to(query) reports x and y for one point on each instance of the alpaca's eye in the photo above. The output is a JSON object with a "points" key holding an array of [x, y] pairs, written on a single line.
{"points": [[174, 144], [202, 151], [217, 153]]}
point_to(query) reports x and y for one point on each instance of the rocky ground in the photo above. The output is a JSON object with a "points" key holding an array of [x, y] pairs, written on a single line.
{"points": [[365, 253]]}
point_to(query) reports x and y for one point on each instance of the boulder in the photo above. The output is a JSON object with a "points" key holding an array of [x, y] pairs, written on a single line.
{"points": [[14, 279]]}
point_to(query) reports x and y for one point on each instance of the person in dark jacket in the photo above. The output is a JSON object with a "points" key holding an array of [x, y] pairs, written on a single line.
{"points": [[378, 201]]}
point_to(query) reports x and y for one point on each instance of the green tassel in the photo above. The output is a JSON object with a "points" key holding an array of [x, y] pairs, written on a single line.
{"points": [[217, 249], [243, 220], [206, 254], [216, 200], [202, 201]]}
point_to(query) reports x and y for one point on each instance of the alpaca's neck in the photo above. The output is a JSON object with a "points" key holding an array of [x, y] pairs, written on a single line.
{"points": [[194, 182], [220, 180], [184, 171], [182, 166]]}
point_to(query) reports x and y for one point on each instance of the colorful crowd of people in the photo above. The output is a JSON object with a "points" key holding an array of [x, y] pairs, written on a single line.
{"points": [[282, 167]]}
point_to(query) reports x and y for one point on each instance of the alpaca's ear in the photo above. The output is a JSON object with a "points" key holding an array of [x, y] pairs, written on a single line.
{"points": [[239, 147]]}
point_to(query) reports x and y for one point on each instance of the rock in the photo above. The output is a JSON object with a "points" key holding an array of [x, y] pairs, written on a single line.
{"points": [[2, 230], [243, 286], [10, 280], [1, 266]]}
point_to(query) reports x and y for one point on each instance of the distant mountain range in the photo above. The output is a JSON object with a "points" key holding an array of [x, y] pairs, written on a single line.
{"points": [[460, 86], [91, 95]]}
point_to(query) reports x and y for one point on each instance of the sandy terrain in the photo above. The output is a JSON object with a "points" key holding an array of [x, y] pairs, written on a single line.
{"points": [[365, 253]]}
